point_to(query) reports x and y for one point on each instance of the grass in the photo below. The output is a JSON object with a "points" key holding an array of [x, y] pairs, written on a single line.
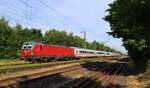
{"points": [[20, 67], [7, 65], [17, 65], [5, 62], [133, 82], [144, 78], [141, 80]]}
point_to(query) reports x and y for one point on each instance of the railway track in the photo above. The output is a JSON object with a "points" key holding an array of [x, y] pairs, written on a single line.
{"points": [[102, 79], [14, 81]]}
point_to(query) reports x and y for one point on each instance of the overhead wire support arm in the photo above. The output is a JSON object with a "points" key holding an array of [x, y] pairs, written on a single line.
{"points": [[84, 32], [25, 3], [28, 6]]}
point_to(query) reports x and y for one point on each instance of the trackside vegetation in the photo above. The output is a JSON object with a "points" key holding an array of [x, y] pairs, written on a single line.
{"points": [[130, 21], [12, 39]]}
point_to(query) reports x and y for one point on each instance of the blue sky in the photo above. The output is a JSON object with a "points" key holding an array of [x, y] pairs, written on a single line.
{"points": [[78, 15]]}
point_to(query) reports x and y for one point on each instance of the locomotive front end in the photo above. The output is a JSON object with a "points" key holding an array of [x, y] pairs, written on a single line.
{"points": [[27, 49]]}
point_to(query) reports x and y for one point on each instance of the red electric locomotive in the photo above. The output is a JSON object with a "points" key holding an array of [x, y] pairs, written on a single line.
{"points": [[38, 52]]}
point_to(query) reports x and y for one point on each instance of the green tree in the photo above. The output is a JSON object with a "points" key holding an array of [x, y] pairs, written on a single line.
{"points": [[12, 38], [5, 33], [63, 38], [130, 21]]}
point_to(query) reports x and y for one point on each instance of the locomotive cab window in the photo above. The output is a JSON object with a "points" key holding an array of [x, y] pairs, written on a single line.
{"points": [[27, 45]]}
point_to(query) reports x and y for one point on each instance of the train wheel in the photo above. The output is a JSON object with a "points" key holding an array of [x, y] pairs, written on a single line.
{"points": [[28, 60]]}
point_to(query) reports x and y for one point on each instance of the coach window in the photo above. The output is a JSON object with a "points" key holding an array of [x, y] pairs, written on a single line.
{"points": [[80, 51], [100, 53]]}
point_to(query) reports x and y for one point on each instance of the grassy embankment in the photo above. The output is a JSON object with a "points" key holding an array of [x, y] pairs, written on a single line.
{"points": [[11, 62], [139, 80], [9, 65], [13, 65]]}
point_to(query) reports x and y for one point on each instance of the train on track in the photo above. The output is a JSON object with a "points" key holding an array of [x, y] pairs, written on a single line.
{"points": [[39, 52]]}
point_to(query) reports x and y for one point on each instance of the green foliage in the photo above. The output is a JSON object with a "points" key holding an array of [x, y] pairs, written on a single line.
{"points": [[63, 38], [130, 21], [12, 39], [99, 46]]}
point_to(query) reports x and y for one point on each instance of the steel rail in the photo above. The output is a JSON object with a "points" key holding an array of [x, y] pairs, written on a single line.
{"points": [[110, 80], [77, 84], [98, 79], [104, 77]]}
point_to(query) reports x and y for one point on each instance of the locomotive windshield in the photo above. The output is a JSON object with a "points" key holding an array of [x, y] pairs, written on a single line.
{"points": [[28, 45]]}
